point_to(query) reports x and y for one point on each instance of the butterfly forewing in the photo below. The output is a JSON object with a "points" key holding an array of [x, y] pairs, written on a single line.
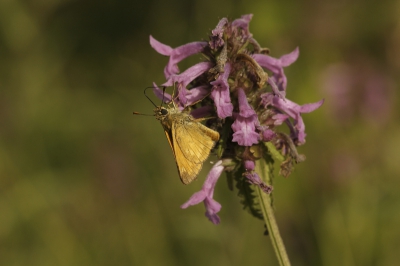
{"points": [[195, 141]]}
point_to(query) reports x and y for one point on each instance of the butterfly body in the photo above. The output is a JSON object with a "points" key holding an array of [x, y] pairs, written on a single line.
{"points": [[190, 141]]}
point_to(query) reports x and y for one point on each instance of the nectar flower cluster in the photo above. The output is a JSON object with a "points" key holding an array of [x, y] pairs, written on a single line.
{"points": [[241, 89]]}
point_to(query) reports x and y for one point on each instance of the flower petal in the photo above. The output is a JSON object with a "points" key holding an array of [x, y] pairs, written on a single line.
{"points": [[188, 97], [189, 74], [160, 47], [212, 208], [176, 54], [309, 107], [196, 198], [220, 93], [245, 124], [276, 66]]}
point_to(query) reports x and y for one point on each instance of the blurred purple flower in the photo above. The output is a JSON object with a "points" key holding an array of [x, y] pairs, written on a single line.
{"points": [[358, 89], [205, 195]]}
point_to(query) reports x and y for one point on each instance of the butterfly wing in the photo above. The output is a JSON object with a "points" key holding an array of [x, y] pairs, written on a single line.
{"points": [[192, 143], [188, 170]]}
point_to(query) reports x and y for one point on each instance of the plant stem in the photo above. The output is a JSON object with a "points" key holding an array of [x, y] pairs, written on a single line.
{"points": [[269, 217]]}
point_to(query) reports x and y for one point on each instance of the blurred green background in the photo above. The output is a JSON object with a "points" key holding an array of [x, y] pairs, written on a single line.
{"points": [[84, 182]]}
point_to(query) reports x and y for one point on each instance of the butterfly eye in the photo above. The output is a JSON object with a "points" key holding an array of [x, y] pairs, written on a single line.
{"points": [[164, 111]]}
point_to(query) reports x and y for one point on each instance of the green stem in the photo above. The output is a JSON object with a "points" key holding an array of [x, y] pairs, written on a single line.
{"points": [[269, 217]]}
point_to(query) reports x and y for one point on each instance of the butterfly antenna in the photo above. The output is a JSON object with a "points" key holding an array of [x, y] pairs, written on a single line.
{"points": [[148, 96], [163, 96], [136, 113]]}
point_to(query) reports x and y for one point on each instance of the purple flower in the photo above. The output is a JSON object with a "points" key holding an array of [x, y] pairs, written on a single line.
{"points": [[203, 111], [206, 193], [220, 93], [244, 127], [188, 97], [176, 54], [279, 119], [193, 95], [277, 65], [293, 110]]}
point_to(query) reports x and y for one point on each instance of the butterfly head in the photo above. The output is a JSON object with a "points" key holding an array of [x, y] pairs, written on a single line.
{"points": [[160, 112]]}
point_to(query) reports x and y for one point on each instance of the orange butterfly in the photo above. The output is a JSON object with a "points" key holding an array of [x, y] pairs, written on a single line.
{"points": [[191, 141]]}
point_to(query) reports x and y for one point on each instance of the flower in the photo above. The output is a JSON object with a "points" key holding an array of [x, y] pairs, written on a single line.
{"points": [[239, 91], [293, 110], [206, 193], [187, 97], [277, 65], [245, 123], [176, 54], [220, 94]]}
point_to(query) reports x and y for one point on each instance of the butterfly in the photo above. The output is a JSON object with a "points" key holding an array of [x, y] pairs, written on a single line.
{"points": [[191, 141]]}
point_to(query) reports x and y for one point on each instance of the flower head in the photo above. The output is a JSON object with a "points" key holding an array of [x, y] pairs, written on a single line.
{"points": [[240, 91]]}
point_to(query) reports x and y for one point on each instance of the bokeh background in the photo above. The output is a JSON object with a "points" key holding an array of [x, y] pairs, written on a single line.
{"points": [[84, 182]]}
